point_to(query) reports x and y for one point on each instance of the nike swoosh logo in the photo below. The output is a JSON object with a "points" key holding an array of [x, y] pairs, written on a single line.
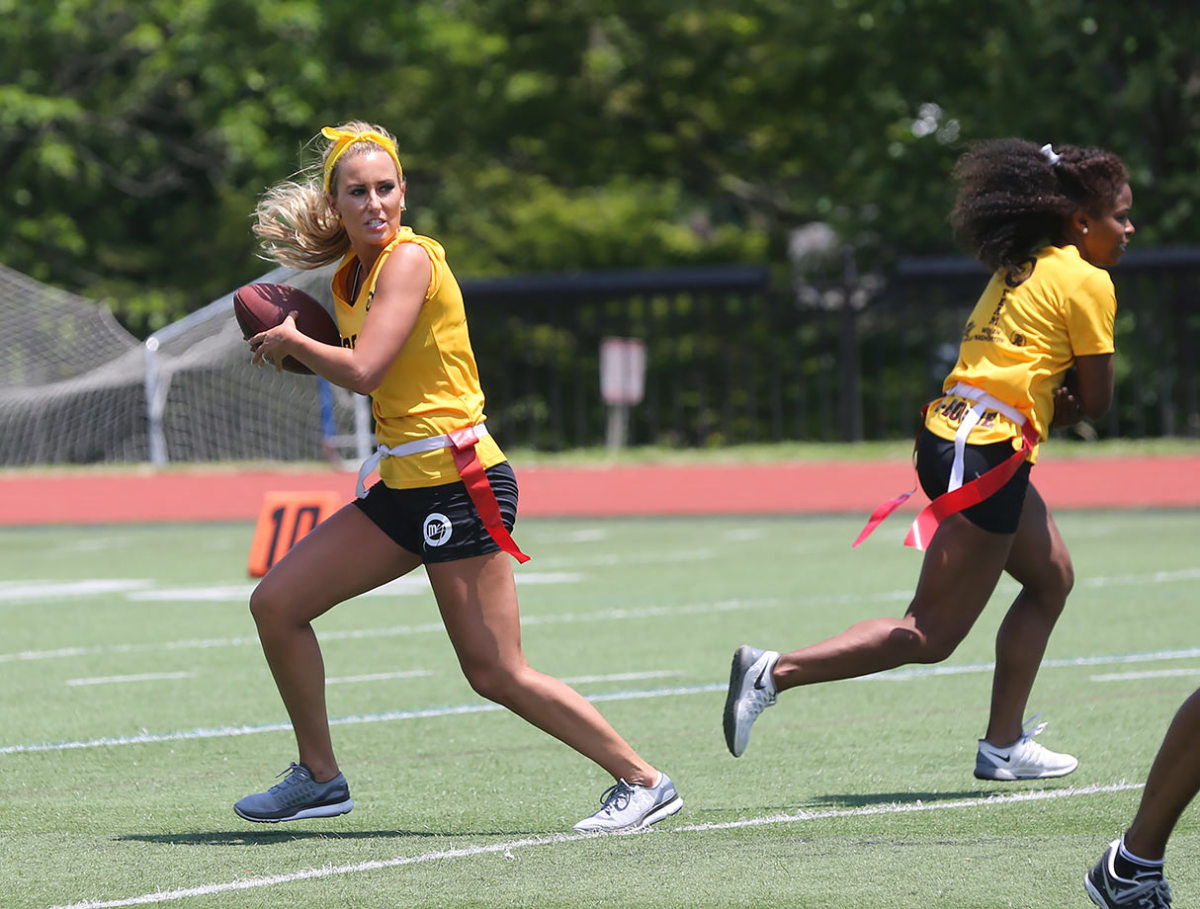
{"points": [[758, 683]]}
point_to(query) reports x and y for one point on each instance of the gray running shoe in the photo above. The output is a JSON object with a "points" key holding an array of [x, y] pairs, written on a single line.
{"points": [[1025, 759], [625, 807], [751, 691], [298, 796], [1147, 890]]}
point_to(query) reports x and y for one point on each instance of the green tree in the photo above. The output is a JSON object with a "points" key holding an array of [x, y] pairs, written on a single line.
{"points": [[133, 137], [553, 135]]}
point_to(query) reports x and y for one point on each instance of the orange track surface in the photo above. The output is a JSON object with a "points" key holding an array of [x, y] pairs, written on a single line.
{"points": [[216, 494]]}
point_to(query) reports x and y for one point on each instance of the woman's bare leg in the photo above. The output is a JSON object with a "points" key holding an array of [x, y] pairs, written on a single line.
{"points": [[1039, 561], [345, 555], [478, 601], [959, 573], [1173, 782]]}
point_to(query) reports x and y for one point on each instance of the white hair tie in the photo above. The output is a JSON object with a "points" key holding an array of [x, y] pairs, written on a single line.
{"points": [[1051, 155]]}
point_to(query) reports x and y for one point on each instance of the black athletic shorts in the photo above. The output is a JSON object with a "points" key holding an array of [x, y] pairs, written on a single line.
{"points": [[441, 523], [999, 513]]}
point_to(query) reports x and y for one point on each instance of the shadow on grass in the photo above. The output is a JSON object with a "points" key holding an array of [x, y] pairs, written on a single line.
{"points": [[870, 799], [274, 836]]}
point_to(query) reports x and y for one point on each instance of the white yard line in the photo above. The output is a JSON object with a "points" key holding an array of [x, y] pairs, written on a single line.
{"points": [[1148, 674], [894, 675], [148, 738], [141, 590], [622, 676], [607, 615], [378, 677], [921, 672], [1133, 580], [411, 585], [556, 839], [403, 586], [143, 677], [40, 590]]}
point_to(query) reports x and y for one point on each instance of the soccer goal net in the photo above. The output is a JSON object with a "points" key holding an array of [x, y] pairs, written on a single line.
{"points": [[76, 388]]}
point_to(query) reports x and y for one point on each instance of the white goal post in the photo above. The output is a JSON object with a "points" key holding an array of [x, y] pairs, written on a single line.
{"points": [[76, 388]]}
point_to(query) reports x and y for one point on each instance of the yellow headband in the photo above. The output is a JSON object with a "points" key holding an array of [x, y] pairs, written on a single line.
{"points": [[343, 138]]}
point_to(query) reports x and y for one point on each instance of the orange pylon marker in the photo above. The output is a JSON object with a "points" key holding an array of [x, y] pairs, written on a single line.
{"points": [[285, 517]]}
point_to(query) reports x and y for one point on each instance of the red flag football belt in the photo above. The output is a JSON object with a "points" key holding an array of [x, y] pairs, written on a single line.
{"points": [[961, 496], [461, 443]]}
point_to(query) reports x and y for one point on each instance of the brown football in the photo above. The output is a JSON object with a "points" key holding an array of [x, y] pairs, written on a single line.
{"points": [[258, 307]]}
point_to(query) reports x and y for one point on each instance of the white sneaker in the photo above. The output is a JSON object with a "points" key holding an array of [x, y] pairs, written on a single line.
{"points": [[1024, 759], [625, 807], [751, 691]]}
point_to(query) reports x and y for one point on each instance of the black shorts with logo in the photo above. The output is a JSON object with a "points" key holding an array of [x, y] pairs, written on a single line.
{"points": [[441, 523], [999, 513]]}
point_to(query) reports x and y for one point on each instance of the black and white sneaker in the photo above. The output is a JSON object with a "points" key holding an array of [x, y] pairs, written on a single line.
{"points": [[751, 691], [1024, 759], [298, 796], [1145, 890]]}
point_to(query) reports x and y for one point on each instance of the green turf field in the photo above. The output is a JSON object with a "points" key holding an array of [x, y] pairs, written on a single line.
{"points": [[137, 708]]}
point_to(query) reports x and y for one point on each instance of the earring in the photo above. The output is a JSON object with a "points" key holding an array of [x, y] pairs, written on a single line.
{"points": [[1085, 228], [403, 208]]}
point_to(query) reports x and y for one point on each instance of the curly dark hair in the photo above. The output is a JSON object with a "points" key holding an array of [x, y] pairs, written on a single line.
{"points": [[1012, 200]]}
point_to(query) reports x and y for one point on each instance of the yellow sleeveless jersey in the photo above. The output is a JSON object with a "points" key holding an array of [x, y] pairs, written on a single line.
{"points": [[433, 386], [1023, 335]]}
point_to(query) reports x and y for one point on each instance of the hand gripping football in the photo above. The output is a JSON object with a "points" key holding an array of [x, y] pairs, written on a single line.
{"points": [[258, 307]]}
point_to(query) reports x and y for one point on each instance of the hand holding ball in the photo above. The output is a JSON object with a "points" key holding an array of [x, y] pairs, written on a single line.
{"points": [[259, 307]]}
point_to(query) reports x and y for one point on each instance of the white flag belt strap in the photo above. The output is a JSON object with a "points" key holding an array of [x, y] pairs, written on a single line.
{"points": [[983, 403], [979, 396], [416, 446]]}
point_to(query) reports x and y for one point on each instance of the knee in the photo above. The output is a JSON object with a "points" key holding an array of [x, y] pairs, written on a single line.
{"points": [[915, 645], [935, 648], [1054, 586], [1066, 578], [266, 607], [490, 680]]}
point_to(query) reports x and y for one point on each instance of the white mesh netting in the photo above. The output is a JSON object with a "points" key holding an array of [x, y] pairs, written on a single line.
{"points": [[76, 388]]}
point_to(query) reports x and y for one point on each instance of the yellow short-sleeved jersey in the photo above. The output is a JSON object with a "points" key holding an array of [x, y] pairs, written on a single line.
{"points": [[433, 386], [1022, 336]]}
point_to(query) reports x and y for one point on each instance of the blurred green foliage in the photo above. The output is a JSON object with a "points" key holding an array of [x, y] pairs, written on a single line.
{"points": [[560, 135]]}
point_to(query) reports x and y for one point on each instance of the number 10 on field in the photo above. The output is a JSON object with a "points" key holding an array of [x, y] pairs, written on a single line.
{"points": [[285, 517]]}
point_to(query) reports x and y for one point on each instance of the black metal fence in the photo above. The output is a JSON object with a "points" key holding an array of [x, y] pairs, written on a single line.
{"points": [[733, 357]]}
